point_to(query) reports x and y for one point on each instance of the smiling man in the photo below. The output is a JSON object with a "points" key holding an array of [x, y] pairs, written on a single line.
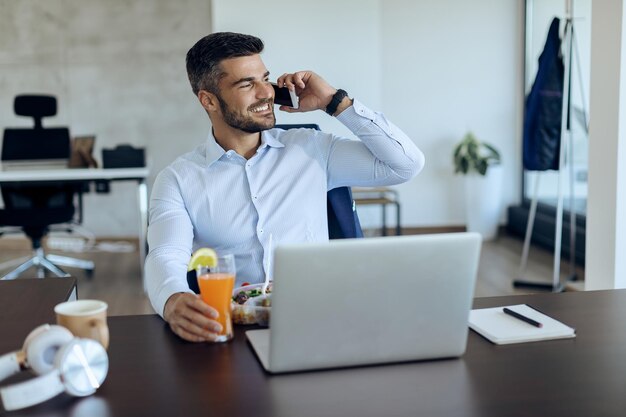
{"points": [[249, 180]]}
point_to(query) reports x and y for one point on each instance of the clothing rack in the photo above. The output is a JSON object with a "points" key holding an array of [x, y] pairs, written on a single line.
{"points": [[568, 47]]}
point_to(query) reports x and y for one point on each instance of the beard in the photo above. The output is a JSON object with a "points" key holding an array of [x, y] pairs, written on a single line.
{"points": [[246, 123]]}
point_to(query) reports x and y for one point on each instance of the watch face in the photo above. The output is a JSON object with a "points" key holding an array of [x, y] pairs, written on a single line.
{"points": [[83, 366]]}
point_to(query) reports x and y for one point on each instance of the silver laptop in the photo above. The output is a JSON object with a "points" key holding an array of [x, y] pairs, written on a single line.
{"points": [[369, 301]]}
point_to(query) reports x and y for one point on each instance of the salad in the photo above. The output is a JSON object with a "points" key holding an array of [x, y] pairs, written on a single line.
{"points": [[250, 305], [244, 295]]}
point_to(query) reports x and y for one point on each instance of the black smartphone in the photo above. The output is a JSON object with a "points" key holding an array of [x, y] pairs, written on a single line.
{"points": [[284, 97]]}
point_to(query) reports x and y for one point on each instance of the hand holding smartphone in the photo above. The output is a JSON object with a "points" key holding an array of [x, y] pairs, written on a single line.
{"points": [[285, 97]]}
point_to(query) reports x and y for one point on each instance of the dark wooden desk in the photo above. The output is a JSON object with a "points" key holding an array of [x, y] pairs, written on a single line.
{"points": [[153, 373], [27, 303]]}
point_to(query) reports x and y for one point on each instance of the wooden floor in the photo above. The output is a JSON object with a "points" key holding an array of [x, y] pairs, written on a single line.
{"points": [[117, 277]]}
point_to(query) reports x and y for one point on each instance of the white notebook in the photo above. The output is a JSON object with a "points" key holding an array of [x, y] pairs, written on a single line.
{"points": [[502, 329]]}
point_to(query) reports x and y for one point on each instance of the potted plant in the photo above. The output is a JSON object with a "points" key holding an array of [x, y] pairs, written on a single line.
{"points": [[479, 162], [472, 155]]}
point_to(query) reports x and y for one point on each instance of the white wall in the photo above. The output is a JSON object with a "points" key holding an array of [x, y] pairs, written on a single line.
{"points": [[605, 266], [338, 40], [341, 41], [453, 66], [437, 69]]}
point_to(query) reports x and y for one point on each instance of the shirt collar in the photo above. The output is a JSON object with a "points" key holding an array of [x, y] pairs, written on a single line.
{"points": [[268, 138], [214, 151]]}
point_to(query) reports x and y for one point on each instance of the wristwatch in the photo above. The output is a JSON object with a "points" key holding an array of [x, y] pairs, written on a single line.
{"points": [[334, 102]]}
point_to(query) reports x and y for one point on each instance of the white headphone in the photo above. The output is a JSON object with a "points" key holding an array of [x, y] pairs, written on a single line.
{"points": [[64, 363]]}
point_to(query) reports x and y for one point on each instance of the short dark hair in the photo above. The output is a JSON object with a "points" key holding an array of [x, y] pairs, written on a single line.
{"points": [[203, 59]]}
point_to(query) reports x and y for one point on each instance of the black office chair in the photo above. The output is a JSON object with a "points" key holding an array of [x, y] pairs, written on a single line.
{"points": [[34, 208], [343, 221]]}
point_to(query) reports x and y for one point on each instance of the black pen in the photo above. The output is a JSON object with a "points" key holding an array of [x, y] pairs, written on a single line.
{"points": [[521, 317]]}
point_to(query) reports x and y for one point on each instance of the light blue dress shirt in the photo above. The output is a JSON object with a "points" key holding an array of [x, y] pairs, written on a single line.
{"points": [[217, 199]]}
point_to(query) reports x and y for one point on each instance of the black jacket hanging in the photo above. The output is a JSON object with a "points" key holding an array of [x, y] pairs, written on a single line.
{"points": [[544, 104]]}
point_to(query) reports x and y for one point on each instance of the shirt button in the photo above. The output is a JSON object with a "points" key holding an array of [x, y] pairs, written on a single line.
{"points": [[261, 231], [255, 197]]}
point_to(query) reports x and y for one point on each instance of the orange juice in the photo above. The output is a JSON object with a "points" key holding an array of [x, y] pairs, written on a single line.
{"points": [[216, 290]]}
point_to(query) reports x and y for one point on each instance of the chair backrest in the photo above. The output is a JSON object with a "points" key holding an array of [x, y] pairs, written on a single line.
{"points": [[36, 144], [343, 221], [27, 144]]}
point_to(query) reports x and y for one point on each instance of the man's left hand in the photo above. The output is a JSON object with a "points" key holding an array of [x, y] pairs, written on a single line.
{"points": [[313, 91]]}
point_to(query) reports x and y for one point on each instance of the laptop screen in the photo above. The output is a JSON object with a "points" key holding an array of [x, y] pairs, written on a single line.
{"points": [[374, 300]]}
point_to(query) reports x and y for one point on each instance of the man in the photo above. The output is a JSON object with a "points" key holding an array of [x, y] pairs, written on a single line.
{"points": [[249, 180]]}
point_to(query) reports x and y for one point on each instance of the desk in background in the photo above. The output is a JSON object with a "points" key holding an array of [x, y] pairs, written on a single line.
{"points": [[87, 175], [153, 372]]}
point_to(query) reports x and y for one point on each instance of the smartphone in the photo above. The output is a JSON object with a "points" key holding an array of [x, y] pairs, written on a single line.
{"points": [[285, 97]]}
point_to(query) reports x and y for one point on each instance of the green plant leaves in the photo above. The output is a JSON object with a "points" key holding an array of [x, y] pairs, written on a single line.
{"points": [[472, 155]]}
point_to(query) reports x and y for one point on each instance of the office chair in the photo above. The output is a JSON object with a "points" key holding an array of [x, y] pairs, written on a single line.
{"points": [[343, 221], [34, 208]]}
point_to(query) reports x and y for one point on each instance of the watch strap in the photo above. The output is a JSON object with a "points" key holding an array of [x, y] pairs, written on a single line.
{"points": [[334, 102]]}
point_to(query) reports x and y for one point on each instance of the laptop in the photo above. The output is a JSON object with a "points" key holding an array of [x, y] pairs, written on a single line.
{"points": [[369, 301]]}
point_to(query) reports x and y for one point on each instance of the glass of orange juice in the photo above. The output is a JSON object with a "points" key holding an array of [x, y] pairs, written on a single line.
{"points": [[216, 289]]}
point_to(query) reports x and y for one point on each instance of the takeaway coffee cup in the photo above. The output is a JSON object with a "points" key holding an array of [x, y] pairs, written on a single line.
{"points": [[85, 318]]}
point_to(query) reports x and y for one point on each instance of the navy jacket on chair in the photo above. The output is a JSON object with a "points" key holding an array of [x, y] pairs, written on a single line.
{"points": [[343, 222]]}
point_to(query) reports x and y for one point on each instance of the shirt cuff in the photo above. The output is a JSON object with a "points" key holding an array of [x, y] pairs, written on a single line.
{"points": [[356, 116], [165, 292]]}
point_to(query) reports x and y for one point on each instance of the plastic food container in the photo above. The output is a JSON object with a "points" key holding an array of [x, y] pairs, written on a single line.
{"points": [[261, 311], [251, 312]]}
